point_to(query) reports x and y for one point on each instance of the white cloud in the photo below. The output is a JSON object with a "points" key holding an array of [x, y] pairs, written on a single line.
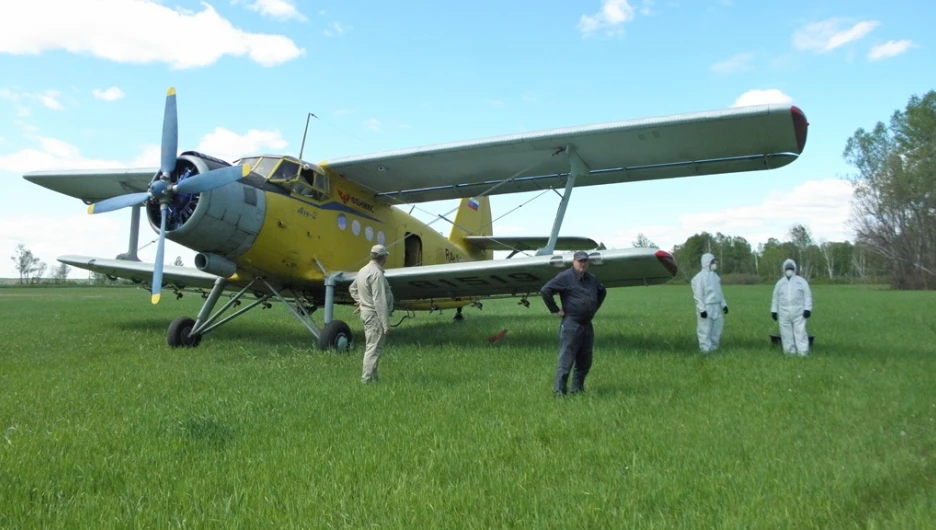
{"points": [[230, 146], [278, 9], [49, 99], [149, 157], [25, 127], [103, 235], [52, 154], [738, 63], [613, 14], [111, 94], [889, 49], [122, 31], [827, 35], [372, 124], [761, 97], [824, 206], [647, 8], [335, 29]]}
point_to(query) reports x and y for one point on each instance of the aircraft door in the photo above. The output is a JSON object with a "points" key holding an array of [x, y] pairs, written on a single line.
{"points": [[412, 250]]}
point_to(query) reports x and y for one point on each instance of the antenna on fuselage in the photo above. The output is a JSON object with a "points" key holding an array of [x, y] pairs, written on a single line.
{"points": [[306, 131]]}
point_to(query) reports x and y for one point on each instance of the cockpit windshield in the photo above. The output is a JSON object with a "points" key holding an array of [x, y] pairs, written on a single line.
{"points": [[307, 180], [265, 166], [287, 170], [250, 161]]}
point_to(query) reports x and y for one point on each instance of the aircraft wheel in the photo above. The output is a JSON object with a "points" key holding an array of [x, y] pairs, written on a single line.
{"points": [[179, 334], [335, 335]]}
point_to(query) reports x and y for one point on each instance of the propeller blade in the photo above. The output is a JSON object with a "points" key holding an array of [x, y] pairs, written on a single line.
{"points": [[213, 179], [160, 250], [170, 135], [118, 202]]}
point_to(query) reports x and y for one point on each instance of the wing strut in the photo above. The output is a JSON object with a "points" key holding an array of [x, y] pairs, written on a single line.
{"points": [[578, 169], [131, 254]]}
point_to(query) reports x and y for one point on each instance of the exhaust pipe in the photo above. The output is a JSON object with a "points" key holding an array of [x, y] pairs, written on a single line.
{"points": [[215, 264]]}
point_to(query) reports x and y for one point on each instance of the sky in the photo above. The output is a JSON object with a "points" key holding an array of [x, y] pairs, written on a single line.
{"points": [[86, 88]]}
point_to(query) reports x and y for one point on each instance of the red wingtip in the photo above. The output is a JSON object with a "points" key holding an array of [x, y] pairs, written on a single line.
{"points": [[668, 261], [800, 127]]}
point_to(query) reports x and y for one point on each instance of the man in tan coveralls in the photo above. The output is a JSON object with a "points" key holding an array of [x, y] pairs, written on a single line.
{"points": [[371, 293]]}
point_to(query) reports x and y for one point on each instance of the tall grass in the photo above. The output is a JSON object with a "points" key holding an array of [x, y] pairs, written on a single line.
{"points": [[103, 426]]}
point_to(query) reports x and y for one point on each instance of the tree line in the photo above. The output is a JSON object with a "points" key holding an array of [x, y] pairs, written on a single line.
{"points": [[34, 271], [739, 262]]}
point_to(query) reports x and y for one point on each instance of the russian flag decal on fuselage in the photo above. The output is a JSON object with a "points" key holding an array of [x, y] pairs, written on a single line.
{"points": [[473, 204]]}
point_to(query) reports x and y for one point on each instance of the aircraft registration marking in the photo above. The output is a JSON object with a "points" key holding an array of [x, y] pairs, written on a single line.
{"points": [[475, 281]]}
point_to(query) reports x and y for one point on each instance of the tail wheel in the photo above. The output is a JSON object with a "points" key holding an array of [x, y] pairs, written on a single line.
{"points": [[336, 335], [179, 334]]}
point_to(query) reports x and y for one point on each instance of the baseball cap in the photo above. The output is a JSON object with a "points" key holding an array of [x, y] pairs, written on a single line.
{"points": [[379, 250], [578, 256]]}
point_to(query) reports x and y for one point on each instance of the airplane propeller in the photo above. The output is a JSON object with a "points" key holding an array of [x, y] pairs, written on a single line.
{"points": [[162, 189]]}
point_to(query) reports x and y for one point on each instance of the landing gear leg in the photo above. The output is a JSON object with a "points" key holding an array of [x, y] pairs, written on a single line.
{"points": [[335, 334], [188, 333], [458, 315]]}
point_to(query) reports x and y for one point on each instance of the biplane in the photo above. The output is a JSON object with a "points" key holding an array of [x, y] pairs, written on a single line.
{"points": [[277, 228]]}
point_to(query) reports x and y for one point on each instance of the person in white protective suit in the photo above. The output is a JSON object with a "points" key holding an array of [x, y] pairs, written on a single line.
{"points": [[710, 305], [791, 306]]}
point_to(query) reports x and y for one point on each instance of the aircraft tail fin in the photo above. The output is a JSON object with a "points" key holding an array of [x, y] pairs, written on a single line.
{"points": [[473, 218]]}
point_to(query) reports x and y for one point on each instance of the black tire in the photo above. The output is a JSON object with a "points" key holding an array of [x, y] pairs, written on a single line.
{"points": [[178, 334], [336, 335]]}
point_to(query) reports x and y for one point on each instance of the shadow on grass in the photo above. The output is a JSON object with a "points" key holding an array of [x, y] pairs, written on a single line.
{"points": [[432, 332], [524, 330]]}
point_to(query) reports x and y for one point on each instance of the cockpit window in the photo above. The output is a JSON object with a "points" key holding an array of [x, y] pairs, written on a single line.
{"points": [[286, 171], [264, 167], [302, 189], [315, 179]]}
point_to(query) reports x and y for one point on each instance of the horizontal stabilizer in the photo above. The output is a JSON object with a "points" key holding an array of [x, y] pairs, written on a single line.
{"points": [[520, 243]]}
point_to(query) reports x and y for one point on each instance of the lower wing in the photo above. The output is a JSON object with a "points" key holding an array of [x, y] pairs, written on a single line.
{"points": [[140, 272], [523, 276], [521, 243]]}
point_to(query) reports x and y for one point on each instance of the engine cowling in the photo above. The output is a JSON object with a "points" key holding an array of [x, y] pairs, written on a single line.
{"points": [[224, 221]]}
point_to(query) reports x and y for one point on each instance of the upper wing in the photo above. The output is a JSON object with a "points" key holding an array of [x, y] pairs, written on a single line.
{"points": [[95, 185], [139, 272], [725, 141], [522, 276], [529, 242]]}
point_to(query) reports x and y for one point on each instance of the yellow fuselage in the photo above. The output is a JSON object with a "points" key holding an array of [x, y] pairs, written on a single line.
{"points": [[303, 239]]}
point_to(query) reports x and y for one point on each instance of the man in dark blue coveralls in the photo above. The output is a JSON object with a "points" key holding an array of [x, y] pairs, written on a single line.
{"points": [[581, 295]]}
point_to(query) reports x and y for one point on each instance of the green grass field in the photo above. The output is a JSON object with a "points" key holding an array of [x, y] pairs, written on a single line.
{"points": [[103, 426]]}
